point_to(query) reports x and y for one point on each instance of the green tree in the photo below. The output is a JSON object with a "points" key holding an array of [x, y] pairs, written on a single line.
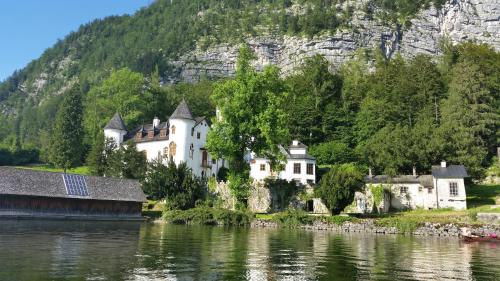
{"points": [[176, 184], [97, 159], [125, 92], [251, 116], [332, 153], [125, 162], [67, 134], [338, 186], [469, 119]]}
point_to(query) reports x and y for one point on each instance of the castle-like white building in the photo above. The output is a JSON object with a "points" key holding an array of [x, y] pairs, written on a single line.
{"points": [[300, 166], [182, 137]]}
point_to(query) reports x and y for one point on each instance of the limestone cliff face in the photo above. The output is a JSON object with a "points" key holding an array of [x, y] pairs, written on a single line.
{"points": [[457, 20]]}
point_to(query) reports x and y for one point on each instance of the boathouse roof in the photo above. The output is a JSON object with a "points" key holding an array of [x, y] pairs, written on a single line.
{"points": [[25, 182]]}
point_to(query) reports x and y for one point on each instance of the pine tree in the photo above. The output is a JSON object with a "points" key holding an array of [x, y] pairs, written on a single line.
{"points": [[67, 137]]}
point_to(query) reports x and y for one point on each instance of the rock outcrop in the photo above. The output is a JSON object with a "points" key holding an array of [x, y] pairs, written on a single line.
{"points": [[456, 20]]}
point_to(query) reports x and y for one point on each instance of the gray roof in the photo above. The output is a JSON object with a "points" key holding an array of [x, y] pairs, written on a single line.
{"points": [[299, 145], [182, 112], [398, 179], [451, 171], [116, 123], [288, 155], [14, 181]]}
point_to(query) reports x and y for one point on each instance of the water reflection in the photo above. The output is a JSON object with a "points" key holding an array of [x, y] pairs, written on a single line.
{"points": [[44, 250]]}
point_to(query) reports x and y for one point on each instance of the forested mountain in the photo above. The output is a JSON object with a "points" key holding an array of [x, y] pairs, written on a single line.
{"points": [[372, 94]]}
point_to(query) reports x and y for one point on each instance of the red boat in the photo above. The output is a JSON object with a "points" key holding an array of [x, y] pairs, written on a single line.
{"points": [[470, 239]]}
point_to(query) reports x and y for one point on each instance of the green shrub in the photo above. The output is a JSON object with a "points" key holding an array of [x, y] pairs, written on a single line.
{"points": [[208, 216], [292, 218], [338, 220]]}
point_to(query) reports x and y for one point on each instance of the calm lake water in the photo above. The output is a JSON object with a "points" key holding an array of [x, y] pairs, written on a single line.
{"points": [[49, 250]]}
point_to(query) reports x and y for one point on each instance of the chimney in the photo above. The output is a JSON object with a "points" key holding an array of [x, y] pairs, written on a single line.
{"points": [[443, 164], [414, 171], [156, 122], [295, 142], [370, 172]]}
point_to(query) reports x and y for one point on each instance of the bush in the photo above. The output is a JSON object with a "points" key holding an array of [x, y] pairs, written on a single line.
{"points": [[293, 218], [338, 186], [209, 216], [222, 174]]}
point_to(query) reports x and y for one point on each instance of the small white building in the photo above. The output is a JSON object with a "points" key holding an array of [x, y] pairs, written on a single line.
{"points": [[445, 188], [300, 166], [182, 137]]}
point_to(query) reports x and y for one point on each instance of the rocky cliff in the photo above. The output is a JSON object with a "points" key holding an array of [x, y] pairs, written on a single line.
{"points": [[456, 20]]}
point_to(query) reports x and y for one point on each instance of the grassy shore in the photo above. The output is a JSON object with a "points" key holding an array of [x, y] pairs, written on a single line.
{"points": [[83, 170]]}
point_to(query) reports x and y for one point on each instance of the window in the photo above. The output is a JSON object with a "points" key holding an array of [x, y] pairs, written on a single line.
{"points": [[173, 149], [296, 168], [198, 135], [453, 189], [138, 136], [172, 130], [192, 131], [151, 134], [214, 161], [420, 188], [191, 151], [310, 169], [429, 190], [403, 189], [262, 167], [165, 151], [163, 133]]}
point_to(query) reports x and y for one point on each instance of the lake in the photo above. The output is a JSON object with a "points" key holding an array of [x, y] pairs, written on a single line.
{"points": [[70, 250]]}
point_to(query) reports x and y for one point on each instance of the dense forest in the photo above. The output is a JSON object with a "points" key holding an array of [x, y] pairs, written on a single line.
{"points": [[389, 115]]}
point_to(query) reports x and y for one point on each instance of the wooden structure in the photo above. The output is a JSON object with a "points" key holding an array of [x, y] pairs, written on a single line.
{"points": [[35, 194]]}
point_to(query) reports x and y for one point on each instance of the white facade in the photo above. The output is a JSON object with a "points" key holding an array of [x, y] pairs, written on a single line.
{"points": [[445, 188], [182, 138], [446, 195], [299, 167]]}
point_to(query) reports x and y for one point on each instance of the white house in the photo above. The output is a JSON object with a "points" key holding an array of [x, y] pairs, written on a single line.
{"points": [[445, 188], [182, 137], [300, 166]]}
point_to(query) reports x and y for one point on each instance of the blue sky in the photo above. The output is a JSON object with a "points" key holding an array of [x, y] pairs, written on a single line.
{"points": [[28, 27]]}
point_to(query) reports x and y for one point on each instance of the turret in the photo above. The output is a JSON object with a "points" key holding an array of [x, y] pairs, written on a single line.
{"points": [[181, 123], [115, 129]]}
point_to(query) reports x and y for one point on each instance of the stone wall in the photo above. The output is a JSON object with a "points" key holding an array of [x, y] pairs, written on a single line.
{"points": [[368, 226]]}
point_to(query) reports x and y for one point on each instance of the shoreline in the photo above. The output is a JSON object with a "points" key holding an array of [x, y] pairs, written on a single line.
{"points": [[368, 226]]}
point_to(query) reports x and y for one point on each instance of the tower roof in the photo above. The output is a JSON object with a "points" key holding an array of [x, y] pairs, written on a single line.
{"points": [[182, 111], [116, 123]]}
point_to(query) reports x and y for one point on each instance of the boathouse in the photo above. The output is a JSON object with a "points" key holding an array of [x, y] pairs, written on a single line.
{"points": [[36, 194]]}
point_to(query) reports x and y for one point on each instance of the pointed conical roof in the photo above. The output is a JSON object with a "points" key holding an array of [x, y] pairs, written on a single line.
{"points": [[182, 111], [116, 123]]}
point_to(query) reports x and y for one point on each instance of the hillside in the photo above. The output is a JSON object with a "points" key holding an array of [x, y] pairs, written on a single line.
{"points": [[189, 41]]}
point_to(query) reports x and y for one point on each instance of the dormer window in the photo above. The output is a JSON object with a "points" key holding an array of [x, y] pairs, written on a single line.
{"points": [[151, 134], [138, 136], [172, 130], [163, 133]]}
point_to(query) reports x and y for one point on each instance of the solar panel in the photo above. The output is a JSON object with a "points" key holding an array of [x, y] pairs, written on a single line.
{"points": [[75, 185]]}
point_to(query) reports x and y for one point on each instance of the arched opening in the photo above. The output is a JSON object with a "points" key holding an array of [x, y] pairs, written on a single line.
{"points": [[204, 158], [173, 149]]}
